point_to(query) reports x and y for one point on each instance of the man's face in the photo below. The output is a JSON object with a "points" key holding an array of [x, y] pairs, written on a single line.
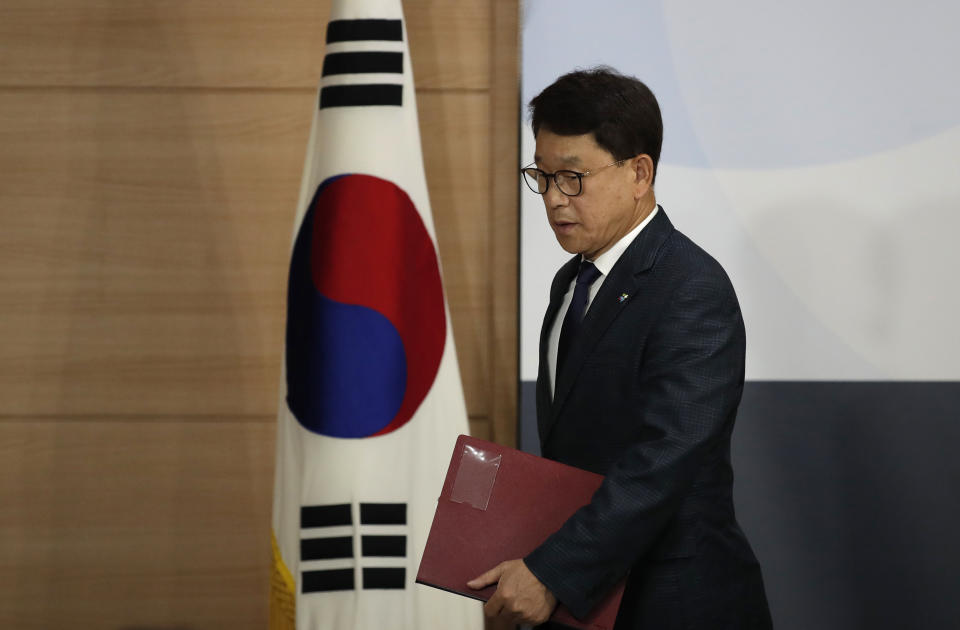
{"points": [[605, 210]]}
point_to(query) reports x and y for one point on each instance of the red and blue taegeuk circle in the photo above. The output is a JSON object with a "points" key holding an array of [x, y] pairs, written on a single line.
{"points": [[366, 323]]}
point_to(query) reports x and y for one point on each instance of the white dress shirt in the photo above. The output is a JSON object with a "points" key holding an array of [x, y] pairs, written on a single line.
{"points": [[604, 263]]}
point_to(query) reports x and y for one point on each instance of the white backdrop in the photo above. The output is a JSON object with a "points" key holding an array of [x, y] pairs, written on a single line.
{"points": [[812, 148]]}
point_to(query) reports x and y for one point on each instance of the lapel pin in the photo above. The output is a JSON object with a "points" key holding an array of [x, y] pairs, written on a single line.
{"points": [[623, 298]]}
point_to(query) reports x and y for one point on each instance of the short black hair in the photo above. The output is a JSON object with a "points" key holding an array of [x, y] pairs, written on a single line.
{"points": [[619, 110]]}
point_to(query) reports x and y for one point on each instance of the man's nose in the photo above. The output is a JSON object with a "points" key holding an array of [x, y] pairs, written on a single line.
{"points": [[553, 198]]}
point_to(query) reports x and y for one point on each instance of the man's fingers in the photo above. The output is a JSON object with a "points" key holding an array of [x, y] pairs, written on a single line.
{"points": [[493, 607], [490, 577], [501, 607], [520, 597]]}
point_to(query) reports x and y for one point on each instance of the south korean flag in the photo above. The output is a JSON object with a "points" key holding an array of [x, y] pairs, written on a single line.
{"points": [[371, 401]]}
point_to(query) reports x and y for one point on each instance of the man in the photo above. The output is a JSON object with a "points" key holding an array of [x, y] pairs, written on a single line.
{"points": [[641, 373]]}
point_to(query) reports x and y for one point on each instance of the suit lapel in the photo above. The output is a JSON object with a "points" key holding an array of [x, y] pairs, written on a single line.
{"points": [[561, 282], [624, 279]]}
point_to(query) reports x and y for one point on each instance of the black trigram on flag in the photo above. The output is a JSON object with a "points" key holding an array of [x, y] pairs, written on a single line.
{"points": [[363, 47], [329, 544]]}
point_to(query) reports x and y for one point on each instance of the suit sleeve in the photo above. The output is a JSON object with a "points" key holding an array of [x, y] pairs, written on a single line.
{"points": [[690, 385]]}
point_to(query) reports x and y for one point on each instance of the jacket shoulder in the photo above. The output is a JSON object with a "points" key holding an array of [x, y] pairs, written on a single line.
{"points": [[687, 260]]}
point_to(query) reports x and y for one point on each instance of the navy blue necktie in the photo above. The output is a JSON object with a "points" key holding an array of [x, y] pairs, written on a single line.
{"points": [[578, 306]]}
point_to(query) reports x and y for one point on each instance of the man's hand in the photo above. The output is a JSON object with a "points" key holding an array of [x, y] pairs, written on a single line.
{"points": [[520, 596]]}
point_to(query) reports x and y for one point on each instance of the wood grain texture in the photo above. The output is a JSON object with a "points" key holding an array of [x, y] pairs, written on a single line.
{"points": [[481, 428], [505, 220], [135, 524], [146, 239], [456, 148], [208, 43], [151, 161]]}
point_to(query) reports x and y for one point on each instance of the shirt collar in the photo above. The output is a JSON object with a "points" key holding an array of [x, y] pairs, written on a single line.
{"points": [[605, 261]]}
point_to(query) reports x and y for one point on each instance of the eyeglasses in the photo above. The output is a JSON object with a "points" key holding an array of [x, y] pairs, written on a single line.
{"points": [[569, 183]]}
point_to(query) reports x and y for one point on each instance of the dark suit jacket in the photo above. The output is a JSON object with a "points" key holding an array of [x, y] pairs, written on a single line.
{"points": [[648, 396]]}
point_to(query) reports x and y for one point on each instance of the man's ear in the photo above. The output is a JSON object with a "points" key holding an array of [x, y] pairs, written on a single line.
{"points": [[643, 169], [643, 174]]}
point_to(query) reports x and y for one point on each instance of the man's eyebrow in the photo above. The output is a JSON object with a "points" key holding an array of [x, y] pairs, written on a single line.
{"points": [[566, 160]]}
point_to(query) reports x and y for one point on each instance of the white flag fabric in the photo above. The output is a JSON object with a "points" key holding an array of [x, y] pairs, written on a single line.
{"points": [[371, 401]]}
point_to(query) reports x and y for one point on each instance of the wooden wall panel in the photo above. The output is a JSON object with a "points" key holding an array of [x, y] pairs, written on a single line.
{"points": [[209, 43], [457, 157], [126, 524], [144, 255], [505, 221], [146, 238], [151, 162]]}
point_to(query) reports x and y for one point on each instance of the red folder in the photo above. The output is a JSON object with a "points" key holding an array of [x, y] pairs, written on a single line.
{"points": [[498, 504]]}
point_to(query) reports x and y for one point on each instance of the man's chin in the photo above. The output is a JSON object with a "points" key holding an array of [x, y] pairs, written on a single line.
{"points": [[568, 244]]}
